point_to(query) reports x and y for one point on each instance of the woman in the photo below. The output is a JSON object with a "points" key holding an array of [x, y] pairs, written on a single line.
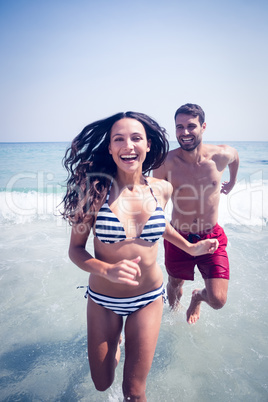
{"points": [[108, 192]]}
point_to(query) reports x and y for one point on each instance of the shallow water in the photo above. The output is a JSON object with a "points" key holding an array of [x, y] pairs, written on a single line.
{"points": [[223, 357]]}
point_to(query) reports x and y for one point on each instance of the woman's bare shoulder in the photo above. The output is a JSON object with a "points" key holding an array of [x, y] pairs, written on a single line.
{"points": [[154, 181], [161, 188]]}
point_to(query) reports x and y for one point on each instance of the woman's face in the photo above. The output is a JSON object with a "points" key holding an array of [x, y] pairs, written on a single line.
{"points": [[128, 144]]}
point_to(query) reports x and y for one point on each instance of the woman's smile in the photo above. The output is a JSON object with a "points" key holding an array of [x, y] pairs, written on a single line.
{"points": [[128, 143]]}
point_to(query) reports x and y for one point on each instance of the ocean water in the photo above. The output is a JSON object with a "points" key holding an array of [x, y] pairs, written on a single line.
{"points": [[43, 357]]}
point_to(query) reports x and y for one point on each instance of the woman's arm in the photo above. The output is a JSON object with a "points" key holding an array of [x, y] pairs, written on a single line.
{"points": [[208, 246], [125, 271]]}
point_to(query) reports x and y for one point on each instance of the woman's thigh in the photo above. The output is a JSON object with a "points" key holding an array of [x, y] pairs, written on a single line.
{"points": [[103, 329], [141, 334]]}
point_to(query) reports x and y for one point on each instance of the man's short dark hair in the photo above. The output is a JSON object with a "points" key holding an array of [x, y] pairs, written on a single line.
{"points": [[192, 109]]}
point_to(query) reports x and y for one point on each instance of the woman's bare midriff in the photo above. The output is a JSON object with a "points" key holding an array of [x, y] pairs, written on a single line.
{"points": [[151, 275]]}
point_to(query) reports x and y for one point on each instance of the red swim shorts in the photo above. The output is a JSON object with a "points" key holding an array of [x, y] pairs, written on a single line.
{"points": [[181, 265]]}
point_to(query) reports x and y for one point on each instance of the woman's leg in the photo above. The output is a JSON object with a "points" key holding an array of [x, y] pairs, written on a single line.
{"points": [[104, 329], [141, 334]]}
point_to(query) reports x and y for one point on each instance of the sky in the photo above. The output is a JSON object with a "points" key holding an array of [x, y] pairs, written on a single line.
{"points": [[65, 64]]}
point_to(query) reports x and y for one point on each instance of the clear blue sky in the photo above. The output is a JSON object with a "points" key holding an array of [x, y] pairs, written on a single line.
{"points": [[67, 63]]}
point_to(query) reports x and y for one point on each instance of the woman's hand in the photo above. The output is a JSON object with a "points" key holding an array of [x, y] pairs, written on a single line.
{"points": [[208, 246], [125, 272]]}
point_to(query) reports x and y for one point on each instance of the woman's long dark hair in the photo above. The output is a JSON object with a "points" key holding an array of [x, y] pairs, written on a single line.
{"points": [[90, 166]]}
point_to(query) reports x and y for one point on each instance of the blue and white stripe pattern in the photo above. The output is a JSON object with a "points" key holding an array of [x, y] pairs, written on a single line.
{"points": [[125, 305], [109, 229]]}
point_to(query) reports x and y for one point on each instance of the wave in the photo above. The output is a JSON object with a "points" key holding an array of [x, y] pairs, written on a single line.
{"points": [[258, 161], [246, 205], [25, 207]]}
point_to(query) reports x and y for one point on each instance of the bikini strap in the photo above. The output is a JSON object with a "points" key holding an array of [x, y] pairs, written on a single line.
{"points": [[108, 192], [146, 182]]}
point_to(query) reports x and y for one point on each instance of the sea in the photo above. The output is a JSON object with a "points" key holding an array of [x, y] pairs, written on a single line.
{"points": [[43, 354]]}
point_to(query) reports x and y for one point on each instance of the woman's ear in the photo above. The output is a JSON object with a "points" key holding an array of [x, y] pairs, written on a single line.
{"points": [[149, 143]]}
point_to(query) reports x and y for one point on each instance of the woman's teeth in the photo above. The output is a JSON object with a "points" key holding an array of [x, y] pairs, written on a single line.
{"points": [[128, 157]]}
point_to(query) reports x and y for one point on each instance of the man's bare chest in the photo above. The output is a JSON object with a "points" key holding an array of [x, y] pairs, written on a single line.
{"points": [[187, 180]]}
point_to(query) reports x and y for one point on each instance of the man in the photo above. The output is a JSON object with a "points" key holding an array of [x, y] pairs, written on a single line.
{"points": [[195, 170]]}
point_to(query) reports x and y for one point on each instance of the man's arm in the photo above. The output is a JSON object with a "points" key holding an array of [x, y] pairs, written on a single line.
{"points": [[233, 164]]}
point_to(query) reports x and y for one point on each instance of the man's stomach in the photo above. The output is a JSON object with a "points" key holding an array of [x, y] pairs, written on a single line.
{"points": [[194, 224]]}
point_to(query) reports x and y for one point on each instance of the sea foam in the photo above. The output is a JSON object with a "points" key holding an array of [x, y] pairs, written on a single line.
{"points": [[245, 205]]}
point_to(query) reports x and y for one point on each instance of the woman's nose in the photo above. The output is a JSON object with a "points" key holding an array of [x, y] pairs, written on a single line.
{"points": [[129, 144]]}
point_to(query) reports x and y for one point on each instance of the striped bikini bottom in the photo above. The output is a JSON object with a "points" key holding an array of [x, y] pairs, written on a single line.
{"points": [[126, 305]]}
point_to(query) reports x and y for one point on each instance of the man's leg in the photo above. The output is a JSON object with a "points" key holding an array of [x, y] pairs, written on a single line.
{"points": [[174, 291], [214, 294]]}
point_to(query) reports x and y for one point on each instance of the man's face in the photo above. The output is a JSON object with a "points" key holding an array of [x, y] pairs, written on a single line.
{"points": [[189, 131]]}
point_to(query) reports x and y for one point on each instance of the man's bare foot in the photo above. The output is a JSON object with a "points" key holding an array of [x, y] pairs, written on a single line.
{"points": [[193, 312]]}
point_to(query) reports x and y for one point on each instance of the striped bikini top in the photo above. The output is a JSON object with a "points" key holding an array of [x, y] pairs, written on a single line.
{"points": [[109, 229]]}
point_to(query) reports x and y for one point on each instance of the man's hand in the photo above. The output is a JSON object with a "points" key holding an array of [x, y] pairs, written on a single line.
{"points": [[226, 187]]}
